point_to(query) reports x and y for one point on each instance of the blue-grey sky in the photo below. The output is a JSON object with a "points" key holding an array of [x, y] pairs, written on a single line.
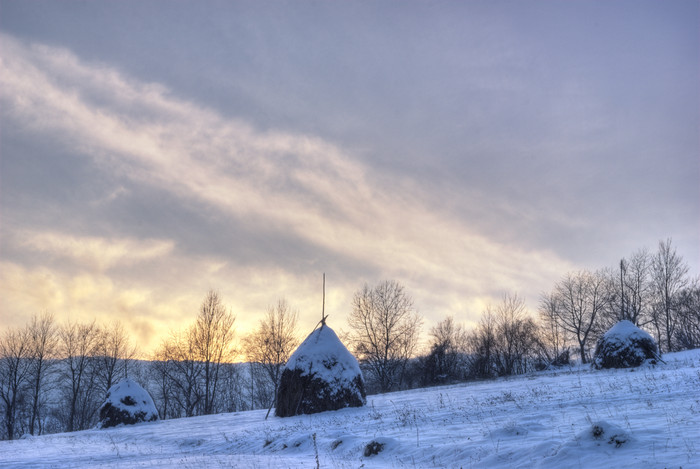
{"points": [[153, 150]]}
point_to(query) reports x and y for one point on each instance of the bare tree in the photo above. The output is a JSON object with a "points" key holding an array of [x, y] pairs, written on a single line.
{"points": [[274, 340], [114, 352], [553, 340], [449, 334], [260, 391], [78, 344], [183, 370], [384, 331], [688, 330], [516, 336], [43, 343], [669, 276], [482, 343], [212, 337], [630, 294], [506, 340], [232, 390], [579, 299], [188, 364], [162, 383], [14, 371], [448, 349]]}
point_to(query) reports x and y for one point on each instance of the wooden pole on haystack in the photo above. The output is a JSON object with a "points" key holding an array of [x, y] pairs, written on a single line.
{"points": [[323, 305]]}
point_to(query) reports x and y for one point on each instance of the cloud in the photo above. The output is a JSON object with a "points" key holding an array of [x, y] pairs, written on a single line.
{"points": [[294, 185], [80, 297], [112, 196], [168, 302], [93, 252]]}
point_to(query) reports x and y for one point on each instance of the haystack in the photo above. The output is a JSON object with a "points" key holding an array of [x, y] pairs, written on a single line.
{"points": [[625, 346], [320, 375], [127, 403]]}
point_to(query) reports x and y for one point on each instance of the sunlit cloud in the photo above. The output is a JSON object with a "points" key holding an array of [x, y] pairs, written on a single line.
{"points": [[299, 186], [150, 310], [93, 252], [79, 297]]}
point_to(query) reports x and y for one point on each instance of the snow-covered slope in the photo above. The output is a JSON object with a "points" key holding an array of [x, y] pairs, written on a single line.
{"points": [[643, 417]]}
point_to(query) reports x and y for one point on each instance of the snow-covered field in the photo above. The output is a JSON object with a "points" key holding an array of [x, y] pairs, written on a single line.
{"points": [[647, 417]]}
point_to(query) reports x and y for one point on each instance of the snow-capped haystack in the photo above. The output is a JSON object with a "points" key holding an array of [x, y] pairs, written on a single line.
{"points": [[625, 346], [320, 375], [127, 403]]}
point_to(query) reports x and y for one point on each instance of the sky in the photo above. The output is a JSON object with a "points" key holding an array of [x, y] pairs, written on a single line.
{"points": [[151, 151]]}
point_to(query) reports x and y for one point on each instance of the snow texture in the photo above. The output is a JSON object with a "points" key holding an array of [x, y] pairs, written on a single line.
{"points": [[320, 375], [625, 346], [567, 418], [324, 355], [127, 403]]}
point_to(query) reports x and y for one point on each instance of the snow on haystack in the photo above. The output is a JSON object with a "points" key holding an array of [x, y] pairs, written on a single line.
{"points": [[625, 346], [320, 375], [127, 403]]}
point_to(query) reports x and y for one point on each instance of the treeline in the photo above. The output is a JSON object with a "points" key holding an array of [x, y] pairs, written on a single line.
{"points": [[54, 377], [651, 289], [192, 372]]}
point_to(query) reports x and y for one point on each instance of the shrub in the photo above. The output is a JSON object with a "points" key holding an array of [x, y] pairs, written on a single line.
{"points": [[372, 448]]}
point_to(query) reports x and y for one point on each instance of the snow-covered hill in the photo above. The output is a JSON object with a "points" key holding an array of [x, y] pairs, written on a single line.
{"points": [[644, 417]]}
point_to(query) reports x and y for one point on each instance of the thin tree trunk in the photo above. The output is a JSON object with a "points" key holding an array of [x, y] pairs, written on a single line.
{"points": [[35, 401]]}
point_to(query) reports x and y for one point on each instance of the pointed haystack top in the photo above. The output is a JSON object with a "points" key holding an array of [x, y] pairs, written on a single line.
{"points": [[324, 355]]}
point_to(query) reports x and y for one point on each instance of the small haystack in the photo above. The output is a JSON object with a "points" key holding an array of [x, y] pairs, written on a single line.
{"points": [[625, 346], [320, 375], [127, 403]]}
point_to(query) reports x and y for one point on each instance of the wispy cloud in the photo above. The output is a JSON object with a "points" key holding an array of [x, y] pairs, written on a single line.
{"points": [[93, 252], [298, 186]]}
